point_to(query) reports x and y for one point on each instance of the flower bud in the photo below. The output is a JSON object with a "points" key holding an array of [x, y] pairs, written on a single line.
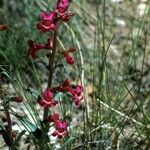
{"points": [[3, 27], [17, 99]]}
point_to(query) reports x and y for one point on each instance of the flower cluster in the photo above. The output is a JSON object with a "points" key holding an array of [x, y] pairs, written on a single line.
{"points": [[60, 126], [66, 54], [47, 99], [49, 21], [75, 91]]}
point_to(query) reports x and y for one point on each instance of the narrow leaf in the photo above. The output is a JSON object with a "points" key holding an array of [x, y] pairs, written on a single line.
{"points": [[33, 93], [16, 142], [67, 143]]}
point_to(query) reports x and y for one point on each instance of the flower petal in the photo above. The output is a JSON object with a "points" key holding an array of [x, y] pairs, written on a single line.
{"points": [[62, 6], [46, 26]]}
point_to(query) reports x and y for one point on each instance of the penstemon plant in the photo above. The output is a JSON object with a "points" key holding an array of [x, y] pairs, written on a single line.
{"points": [[50, 22]]}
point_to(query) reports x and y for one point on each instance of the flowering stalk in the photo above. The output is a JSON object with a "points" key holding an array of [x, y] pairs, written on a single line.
{"points": [[49, 22], [50, 76], [51, 63]]}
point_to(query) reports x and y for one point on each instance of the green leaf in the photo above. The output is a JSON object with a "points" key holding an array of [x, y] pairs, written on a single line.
{"points": [[16, 142], [27, 123], [6, 74], [67, 143], [1, 127], [33, 93]]}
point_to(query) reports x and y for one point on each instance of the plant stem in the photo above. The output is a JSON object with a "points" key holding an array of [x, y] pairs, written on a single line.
{"points": [[50, 77], [51, 64], [9, 130]]}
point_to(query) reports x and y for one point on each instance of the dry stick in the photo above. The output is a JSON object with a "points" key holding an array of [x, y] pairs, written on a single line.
{"points": [[9, 130], [120, 113], [115, 140]]}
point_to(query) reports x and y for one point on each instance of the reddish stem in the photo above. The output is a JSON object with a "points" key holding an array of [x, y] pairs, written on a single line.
{"points": [[51, 64], [9, 130]]}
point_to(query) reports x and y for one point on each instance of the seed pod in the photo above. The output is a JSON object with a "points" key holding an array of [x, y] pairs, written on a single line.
{"points": [[17, 99], [3, 27]]}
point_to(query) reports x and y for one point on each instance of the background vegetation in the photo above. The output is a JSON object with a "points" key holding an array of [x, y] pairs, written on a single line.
{"points": [[112, 62]]}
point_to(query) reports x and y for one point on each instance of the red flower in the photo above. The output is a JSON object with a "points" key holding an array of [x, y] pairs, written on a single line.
{"points": [[72, 49], [46, 26], [49, 44], [14, 134], [60, 126], [59, 134], [76, 91], [62, 6], [69, 59], [33, 48], [77, 95], [48, 100], [77, 100], [17, 99], [66, 16], [48, 21], [69, 89], [49, 16], [3, 27], [53, 118], [60, 88]]}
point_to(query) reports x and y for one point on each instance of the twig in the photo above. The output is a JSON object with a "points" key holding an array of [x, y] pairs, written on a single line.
{"points": [[120, 113]]}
